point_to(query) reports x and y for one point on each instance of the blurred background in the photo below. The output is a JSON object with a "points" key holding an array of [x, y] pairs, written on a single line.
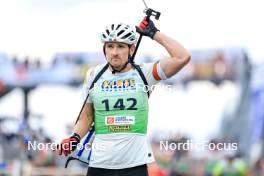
{"points": [[46, 47]]}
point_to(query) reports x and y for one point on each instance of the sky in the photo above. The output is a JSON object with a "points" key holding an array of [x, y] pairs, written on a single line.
{"points": [[42, 28]]}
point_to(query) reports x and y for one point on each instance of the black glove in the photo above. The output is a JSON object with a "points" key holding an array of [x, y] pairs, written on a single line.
{"points": [[69, 144], [147, 28]]}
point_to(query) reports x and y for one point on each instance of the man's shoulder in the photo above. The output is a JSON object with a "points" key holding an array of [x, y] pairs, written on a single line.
{"points": [[152, 71], [98, 68], [93, 71], [146, 66], [146, 69]]}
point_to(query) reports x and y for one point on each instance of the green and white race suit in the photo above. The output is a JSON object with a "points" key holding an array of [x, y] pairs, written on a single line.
{"points": [[121, 118]]}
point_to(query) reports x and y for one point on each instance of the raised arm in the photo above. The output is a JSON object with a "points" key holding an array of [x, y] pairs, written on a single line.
{"points": [[179, 56]]}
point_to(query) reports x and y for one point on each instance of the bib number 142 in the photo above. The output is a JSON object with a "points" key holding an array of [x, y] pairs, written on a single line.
{"points": [[119, 104]]}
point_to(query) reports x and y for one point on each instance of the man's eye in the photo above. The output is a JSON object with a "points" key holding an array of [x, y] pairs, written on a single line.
{"points": [[121, 46], [109, 46]]}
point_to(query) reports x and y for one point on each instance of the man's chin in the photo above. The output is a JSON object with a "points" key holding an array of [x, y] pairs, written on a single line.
{"points": [[117, 68], [116, 64]]}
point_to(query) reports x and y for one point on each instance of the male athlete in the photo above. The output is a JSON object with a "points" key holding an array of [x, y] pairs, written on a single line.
{"points": [[118, 103]]}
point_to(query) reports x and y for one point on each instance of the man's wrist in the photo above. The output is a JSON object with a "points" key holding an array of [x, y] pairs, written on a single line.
{"points": [[155, 36], [76, 136]]}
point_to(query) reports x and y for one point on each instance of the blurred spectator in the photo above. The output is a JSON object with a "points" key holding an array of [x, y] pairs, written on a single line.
{"points": [[45, 157], [231, 165], [26, 62], [15, 61], [2, 87], [211, 160], [37, 63], [258, 169], [181, 162], [155, 170]]}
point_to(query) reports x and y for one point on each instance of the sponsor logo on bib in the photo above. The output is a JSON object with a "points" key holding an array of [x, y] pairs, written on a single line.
{"points": [[120, 120], [119, 128]]}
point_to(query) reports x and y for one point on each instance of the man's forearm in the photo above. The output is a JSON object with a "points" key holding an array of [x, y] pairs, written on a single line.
{"points": [[85, 121], [82, 127]]}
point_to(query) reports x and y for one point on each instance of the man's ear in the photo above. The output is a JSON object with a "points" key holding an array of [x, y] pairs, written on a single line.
{"points": [[132, 49]]}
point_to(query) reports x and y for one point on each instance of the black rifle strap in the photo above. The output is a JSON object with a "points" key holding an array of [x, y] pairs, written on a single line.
{"points": [[137, 67], [92, 85]]}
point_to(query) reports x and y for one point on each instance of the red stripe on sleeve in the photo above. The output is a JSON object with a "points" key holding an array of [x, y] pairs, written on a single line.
{"points": [[155, 72]]}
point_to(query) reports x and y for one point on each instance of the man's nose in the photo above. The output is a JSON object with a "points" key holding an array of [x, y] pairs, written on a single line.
{"points": [[114, 51]]}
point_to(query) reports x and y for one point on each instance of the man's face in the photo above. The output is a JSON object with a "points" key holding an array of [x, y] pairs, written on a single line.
{"points": [[117, 53]]}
